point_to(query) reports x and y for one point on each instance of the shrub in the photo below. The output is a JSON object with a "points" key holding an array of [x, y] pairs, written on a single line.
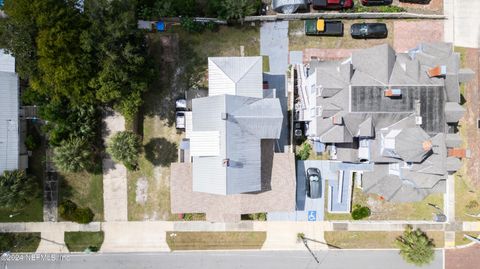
{"points": [[83, 215], [360, 212], [33, 141], [304, 151], [473, 204], [416, 247], [68, 210], [125, 147], [191, 26]]}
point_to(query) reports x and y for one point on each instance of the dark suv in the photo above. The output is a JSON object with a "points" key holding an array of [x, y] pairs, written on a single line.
{"points": [[368, 30], [314, 183], [376, 2], [423, 2]]}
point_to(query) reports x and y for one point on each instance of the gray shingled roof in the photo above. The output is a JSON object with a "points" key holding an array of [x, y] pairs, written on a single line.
{"points": [[453, 112]]}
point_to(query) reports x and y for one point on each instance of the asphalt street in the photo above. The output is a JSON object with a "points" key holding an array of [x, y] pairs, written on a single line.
{"points": [[332, 259]]}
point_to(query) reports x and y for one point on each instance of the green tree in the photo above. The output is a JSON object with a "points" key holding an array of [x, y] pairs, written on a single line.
{"points": [[17, 189], [73, 155], [304, 151], [125, 147], [416, 247], [234, 10]]}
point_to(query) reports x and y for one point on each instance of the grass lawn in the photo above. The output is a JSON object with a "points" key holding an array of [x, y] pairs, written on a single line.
{"points": [[299, 41], [384, 210], [181, 58], [85, 189], [460, 240], [79, 241], [345, 239], [19, 242], [467, 198], [215, 240]]}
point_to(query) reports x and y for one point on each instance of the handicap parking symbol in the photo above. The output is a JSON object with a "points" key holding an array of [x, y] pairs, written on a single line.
{"points": [[312, 215]]}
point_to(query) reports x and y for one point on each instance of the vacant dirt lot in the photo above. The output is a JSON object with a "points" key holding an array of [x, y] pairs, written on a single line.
{"points": [[409, 33]]}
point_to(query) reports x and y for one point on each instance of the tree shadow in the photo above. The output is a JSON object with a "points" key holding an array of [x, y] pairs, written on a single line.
{"points": [[160, 151]]}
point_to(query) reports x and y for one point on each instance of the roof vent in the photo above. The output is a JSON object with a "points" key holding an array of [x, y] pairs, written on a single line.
{"points": [[224, 116], [226, 162]]}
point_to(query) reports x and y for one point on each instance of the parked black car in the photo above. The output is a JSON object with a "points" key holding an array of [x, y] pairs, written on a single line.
{"points": [[376, 2], [423, 2], [369, 30], [314, 183]]}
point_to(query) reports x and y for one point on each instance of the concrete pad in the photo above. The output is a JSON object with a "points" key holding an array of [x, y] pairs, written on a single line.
{"points": [[283, 235], [408, 34], [462, 26], [115, 200], [274, 43], [136, 236]]}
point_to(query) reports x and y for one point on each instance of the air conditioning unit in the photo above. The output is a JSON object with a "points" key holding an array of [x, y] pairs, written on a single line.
{"points": [[418, 120]]}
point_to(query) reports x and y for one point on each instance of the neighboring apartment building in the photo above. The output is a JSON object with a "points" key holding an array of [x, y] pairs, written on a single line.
{"points": [[9, 114], [397, 111], [226, 129]]}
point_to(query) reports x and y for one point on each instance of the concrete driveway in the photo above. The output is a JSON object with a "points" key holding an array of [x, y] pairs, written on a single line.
{"points": [[462, 26]]}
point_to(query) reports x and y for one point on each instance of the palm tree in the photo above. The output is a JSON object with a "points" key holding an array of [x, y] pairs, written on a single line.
{"points": [[416, 247], [125, 147], [73, 155], [17, 189]]}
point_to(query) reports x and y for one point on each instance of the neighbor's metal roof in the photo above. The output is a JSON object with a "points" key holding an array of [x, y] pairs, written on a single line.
{"points": [[235, 76], [7, 62], [9, 132]]}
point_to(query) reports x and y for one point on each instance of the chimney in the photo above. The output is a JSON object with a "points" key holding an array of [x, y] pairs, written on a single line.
{"points": [[427, 145], [226, 162], [437, 71], [458, 152]]}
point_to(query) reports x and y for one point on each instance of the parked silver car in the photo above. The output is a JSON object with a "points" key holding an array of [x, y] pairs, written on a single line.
{"points": [[314, 183]]}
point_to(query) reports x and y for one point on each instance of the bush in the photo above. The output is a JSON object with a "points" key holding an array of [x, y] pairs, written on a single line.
{"points": [[83, 215], [378, 9], [473, 204], [125, 147], [68, 210], [33, 141], [304, 151], [360, 212], [191, 26]]}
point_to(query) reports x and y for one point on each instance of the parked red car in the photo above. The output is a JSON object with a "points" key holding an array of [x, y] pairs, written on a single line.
{"points": [[332, 4]]}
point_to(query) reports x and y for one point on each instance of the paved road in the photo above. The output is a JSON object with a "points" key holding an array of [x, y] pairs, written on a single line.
{"points": [[248, 259]]}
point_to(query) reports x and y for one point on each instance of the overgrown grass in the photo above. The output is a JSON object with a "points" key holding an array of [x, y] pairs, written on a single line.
{"points": [[215, 240], [19, 242], [346, 239], [80, 241], [84, 189]]}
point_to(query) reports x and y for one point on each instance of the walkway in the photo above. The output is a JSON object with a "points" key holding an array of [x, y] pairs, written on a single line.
{"points": [[114, 175], [274, 44], [462, 26]]}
